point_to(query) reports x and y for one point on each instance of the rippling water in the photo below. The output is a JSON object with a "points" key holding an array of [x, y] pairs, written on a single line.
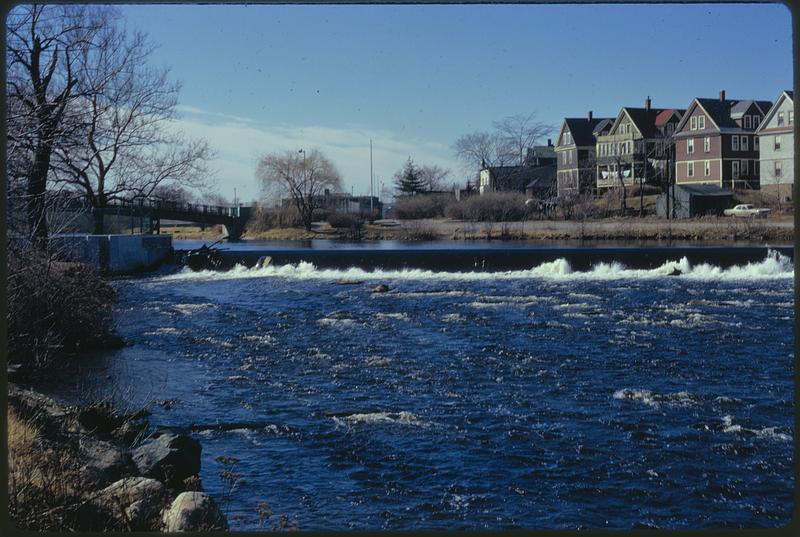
{"points": [[540, 399]]}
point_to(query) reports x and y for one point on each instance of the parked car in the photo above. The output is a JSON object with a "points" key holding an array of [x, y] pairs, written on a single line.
{"points": [[745, 209]]}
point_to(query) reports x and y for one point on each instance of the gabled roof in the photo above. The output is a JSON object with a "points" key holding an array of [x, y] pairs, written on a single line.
{"points": [[722, 113], [785, 94], [542, 151], [704, 190], [643, 119], [581, 129], [606, 124], [665, 115]]}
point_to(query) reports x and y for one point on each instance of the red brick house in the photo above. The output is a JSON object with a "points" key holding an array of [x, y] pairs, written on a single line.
{"points": [[716, 144]]}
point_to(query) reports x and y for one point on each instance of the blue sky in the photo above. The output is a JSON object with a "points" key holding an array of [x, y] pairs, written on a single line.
{"points": [[259, 79]]}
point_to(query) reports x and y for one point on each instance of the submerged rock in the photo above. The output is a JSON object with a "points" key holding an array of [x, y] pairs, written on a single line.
{"points": [[170, 458], [382, 288], [194, 511]]}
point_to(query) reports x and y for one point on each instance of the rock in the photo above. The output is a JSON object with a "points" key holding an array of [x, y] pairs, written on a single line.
{"points": [[133, 503], [382, 288], [99, 418], [104, 463], [194, 511], [130, 431], [170, 458]]}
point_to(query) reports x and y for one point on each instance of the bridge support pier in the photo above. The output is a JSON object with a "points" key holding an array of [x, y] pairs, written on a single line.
{"points": [[233, 231]]}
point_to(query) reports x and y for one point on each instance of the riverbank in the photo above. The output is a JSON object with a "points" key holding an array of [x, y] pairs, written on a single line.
{"points": [[776, 229], [92, 468]]}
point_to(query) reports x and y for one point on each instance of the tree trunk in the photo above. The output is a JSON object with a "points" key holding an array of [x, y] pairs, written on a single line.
{"points": [[37, 191], [97, 213]]}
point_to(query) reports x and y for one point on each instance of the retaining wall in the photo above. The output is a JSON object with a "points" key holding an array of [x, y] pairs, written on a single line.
{"points": [[114, 254]]}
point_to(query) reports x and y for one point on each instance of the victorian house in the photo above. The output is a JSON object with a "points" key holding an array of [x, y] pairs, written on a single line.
{"points": [[715, 142], [775, 137], [637, 148], [575, 153]]}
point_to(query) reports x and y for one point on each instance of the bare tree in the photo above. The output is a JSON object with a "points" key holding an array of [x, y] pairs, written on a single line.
{"points": [[480, 149], [519, 132], [434, 177], [300, 177], [126, 146], [44, 49]]}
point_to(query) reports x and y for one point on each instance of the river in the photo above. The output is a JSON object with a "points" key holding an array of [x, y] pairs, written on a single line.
{"points": [[540, 398]]}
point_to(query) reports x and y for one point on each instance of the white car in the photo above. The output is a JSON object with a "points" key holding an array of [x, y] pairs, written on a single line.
{"points": [[746, 209]]}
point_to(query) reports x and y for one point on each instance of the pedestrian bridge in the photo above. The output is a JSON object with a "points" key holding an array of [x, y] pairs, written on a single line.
{"points": [[151, 212]]}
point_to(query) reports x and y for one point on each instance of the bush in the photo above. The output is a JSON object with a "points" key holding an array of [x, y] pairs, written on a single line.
{"points": [[344, 220], [52, 306], [263, 219], [490, 207], [421, 206]]}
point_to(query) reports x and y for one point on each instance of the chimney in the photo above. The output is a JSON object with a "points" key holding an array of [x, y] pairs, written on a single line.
{"points": [[590, 115], [549, 142], [647, 103], [722, 95]]}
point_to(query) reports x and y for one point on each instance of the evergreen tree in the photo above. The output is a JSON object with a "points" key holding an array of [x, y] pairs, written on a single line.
{"points": [[408, 180]]}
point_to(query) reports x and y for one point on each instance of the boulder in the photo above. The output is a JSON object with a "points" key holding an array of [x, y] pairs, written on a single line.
{"points": [[170, 458], [104, 462], [133, 503], [194, 511], [382, 288]]}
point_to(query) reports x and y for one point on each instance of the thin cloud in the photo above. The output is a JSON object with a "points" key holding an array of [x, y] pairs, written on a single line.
{"points": [[239, 145]]}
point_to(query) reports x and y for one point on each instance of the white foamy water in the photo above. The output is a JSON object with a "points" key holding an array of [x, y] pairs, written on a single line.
{"points": [[192, 309], [402, 418], [655, 399], [774, 266], [766, 432]]}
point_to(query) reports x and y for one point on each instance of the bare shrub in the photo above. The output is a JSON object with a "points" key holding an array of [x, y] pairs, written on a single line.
{"points": [[421, 206], [263, 219], [490, 207], [344, 220], [52, 306], [417, 231]]}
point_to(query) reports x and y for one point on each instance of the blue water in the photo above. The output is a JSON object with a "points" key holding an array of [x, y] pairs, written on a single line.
{"points": [[537, 399]]}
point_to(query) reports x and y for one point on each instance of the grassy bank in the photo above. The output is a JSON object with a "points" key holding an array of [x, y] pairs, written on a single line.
{"points": [[779, 229]]}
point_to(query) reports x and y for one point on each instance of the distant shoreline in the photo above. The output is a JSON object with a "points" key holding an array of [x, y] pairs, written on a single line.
{"points": [[718, 229]]}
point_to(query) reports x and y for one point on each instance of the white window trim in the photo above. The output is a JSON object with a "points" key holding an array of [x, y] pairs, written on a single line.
{"points": [[693, 123], [707, 144], [690, 145], [690, 169], [701, 122], [735, 169], [734, 143], [745, 144], [746, 122], [707, 168]]}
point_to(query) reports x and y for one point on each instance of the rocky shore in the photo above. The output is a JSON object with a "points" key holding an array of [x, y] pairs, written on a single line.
{"points": [[92, 468]]}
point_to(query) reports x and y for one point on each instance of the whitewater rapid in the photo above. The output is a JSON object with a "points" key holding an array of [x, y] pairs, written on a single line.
{"points": [[774, 266]]}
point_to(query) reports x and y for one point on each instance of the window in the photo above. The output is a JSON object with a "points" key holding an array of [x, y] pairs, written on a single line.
{"points": [[745, 143], [755, 143], [777, 143], [756, 120], [690, 169], [693, 123], [690, 145], [735, 169], [791, 117], [746, 122], [745, 167], [780, 118], [735, 143], [778, 169], [706, 144], [707, 166], [701, 122]]}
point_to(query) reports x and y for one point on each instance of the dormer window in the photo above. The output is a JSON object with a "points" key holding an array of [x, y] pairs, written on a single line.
{"points": [[746, 122]]}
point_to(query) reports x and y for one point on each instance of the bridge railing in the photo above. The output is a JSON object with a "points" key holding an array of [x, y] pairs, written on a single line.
{"points": [[183, 207]]}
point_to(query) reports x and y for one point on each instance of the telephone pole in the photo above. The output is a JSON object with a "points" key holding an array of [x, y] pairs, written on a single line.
{"points": [[371, 180]]}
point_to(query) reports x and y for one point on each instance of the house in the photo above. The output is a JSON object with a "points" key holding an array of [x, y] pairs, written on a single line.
{"points": [[637, 147], [689, 201], [575, 153], [776, 147], [539, 168], [716, 144]]}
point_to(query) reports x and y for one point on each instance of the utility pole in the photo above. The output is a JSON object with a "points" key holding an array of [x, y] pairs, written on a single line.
{"points": [[371, 180]]}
